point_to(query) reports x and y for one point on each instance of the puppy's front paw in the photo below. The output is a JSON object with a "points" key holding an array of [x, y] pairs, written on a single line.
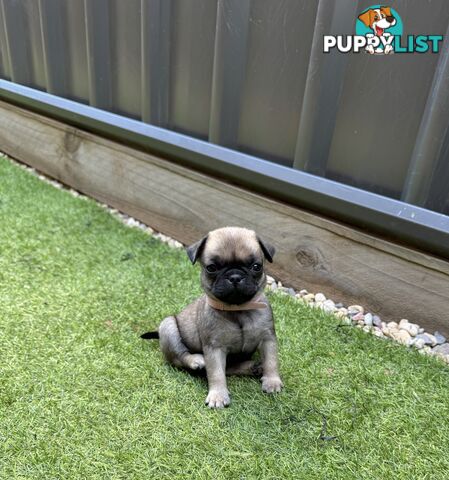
{"points": [[218, 399], [271, 384]]}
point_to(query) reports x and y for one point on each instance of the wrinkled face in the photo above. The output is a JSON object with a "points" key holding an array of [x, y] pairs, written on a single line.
{"points": [[232, 261]]}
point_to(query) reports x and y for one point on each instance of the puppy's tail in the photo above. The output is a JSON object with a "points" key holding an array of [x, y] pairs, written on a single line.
{"points": [[150, 335]]}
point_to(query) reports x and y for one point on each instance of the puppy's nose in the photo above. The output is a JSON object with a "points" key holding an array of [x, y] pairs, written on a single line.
{"points": [[235, 278], [390, 19]]}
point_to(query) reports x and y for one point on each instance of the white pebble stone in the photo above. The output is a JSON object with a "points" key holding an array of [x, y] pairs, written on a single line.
{"points": [[328, 306], [411, 328], [270, 279], [132, 222], [356, 309], [401, 336], [418, 343], [319, 297], [369, 319]]}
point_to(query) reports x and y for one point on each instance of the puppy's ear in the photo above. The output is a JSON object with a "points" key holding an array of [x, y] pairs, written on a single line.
{"points": [[267, 249], [195, 250], [365, 17]]}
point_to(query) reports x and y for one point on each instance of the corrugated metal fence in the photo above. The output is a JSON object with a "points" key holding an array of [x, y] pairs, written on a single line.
{"points": [[251, 75]]}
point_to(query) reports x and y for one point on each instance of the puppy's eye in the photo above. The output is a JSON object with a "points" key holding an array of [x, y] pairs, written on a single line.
{"points": [[257, 267], [211, 268]]}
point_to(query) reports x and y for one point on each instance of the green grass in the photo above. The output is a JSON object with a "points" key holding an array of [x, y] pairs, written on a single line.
{"points": [[82, 397]]}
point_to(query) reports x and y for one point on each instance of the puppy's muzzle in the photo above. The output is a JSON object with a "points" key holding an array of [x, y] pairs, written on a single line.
{"points": [[234, 277]]}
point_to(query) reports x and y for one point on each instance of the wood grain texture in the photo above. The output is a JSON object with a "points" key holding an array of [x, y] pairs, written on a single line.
{"points": [[312, 252]]}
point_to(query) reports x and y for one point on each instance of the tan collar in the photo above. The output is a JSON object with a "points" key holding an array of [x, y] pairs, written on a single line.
{"points": [[255, 303]]}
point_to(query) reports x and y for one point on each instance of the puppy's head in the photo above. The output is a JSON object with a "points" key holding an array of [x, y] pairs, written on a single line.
{"points": [[232, 263], [379, 19]]}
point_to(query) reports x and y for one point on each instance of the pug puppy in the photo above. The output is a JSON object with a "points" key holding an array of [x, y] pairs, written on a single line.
{"points": [[222, 329]]}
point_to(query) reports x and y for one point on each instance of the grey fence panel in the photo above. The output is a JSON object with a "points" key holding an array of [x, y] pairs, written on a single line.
{"points": [[231, 46], [438, 199], [33, 34], [430, 139], [381, 106], [78, 79], [5, 68], [53, 17], [125, 41], [280, 36], [251, 75], [191, 65], [98, 47], [156, 30], [325, 80], [21, 30]]}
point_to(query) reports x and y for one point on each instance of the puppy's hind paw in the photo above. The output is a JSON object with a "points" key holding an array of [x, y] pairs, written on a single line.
{"points": [[218, 399], [271, 384], [195, 361]]}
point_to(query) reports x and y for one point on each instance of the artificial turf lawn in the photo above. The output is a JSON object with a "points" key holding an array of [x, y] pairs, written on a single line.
{"points": [[82, 397]]}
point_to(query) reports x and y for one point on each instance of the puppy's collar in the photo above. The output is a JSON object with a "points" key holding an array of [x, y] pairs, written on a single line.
{"points": [[254, 304]]}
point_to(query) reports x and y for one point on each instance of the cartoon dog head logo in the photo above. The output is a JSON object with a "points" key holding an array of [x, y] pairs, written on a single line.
{"points": [[379, 21]]}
